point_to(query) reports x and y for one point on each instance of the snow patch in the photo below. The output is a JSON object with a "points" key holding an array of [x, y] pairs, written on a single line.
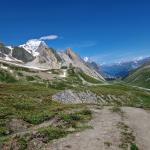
{"points": [[10, 47], [8, 58], [86, 59]]}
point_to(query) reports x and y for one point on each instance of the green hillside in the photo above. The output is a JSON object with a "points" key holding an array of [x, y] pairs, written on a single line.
{"points": [[140, 77]]}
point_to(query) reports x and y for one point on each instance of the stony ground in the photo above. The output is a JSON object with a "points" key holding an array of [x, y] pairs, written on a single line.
{"points": [[105, 134]]}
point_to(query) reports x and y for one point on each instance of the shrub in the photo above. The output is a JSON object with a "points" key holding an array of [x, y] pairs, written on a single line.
{"points": [[53, 132], [6, 77], [3, 131], [30, 78], [134, 147]]}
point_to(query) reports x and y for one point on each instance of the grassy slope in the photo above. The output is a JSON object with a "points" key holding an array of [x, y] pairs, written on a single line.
{"points": [[140, 77], [32, 103]]}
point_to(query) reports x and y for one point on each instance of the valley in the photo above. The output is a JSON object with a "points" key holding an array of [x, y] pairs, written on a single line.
{"points": [[65, 103]]}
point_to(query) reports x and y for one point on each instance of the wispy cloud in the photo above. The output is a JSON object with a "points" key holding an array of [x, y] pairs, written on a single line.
{"points": [[49, 37]]}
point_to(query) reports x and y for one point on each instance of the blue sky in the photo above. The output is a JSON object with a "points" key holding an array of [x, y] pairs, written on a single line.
{"points": [[105, 30]]}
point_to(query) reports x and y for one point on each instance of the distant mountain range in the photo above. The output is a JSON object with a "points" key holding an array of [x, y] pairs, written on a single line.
{"points": [[36, 54], [121, 70]]}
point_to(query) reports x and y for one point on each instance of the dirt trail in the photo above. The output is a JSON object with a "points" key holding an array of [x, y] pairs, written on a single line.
{"points": [[103, 136], [139, 120]]}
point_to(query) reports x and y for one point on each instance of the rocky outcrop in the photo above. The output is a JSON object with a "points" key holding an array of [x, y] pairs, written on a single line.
{"points": [[72, 55], [46, 59], [69, 96], [71, 58]]}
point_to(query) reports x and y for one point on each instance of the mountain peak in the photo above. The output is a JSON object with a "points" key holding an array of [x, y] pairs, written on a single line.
{"points": [[33, 45], [72, 54]]}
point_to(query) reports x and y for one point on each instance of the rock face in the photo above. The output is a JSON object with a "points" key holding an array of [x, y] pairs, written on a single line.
{"points": [[22, 54], [46, 59], [72, 55]]}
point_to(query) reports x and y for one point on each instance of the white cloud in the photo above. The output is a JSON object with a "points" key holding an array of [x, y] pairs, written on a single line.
{"points": [[49, 37]]}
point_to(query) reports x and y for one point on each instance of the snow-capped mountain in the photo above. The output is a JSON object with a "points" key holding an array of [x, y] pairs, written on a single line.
{"points": [[33, 46], [36, 54]]}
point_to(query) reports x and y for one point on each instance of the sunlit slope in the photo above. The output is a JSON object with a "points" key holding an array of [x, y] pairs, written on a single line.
{"points": [[140, 77]]}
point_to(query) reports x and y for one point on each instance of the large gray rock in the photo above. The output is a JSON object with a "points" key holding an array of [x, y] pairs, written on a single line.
{"points": [[69, 96], [88, 97]]}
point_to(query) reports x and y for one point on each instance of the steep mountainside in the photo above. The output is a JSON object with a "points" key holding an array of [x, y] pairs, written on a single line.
{"points": [[71, 58], [95, 66], [140, 77], [21, 54]]}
